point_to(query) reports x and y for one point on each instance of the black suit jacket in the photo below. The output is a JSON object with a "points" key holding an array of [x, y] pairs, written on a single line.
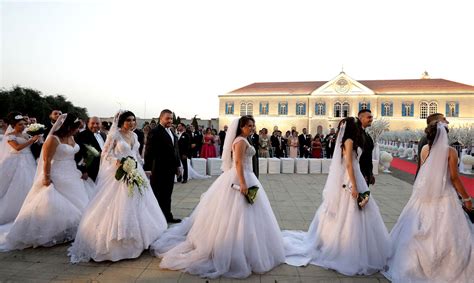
{"points": [[255, 142], [141, 139], [222, 139], [365, 160], [161, 153], [83, 138], [184, 145]]}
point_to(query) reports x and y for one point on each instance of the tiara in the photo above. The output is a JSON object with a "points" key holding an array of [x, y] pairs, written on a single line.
{"points": [[19, 117]]}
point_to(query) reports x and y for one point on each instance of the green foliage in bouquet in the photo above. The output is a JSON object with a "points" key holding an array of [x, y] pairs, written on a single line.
{"points": [[128, 172], [363, 199], [252, 194], [91, 153]]}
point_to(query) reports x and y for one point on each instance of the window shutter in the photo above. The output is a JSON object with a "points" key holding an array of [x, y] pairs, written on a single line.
{"points": [[304, 109], [360, 106], [226, 108], [261, 108], [404, 110], [447, 110], [457, 109], [232, 108], [279, 108], [412, 109], [368, 105], [324, 108], [391, 108], [383, 109]]}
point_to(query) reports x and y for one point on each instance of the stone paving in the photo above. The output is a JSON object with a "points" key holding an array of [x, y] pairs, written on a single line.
{"points": [[294, 199]]}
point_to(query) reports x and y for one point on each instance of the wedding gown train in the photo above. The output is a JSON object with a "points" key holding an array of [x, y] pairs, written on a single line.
{"points": [[117, 225], [225, 235]]}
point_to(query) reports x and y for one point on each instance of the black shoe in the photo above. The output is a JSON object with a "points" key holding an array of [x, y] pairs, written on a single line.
{"points": [[184, 181], [174, 220], [179, 179]]}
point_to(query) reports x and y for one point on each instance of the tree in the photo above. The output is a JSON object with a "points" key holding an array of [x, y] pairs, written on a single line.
{"points": [[32, 102], [194, 122]]}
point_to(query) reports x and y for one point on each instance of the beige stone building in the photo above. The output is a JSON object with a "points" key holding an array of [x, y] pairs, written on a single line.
{"points": [[320, 105]]}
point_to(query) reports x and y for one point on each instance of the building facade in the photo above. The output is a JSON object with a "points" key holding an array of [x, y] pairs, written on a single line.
{"points": [[320, 105]]}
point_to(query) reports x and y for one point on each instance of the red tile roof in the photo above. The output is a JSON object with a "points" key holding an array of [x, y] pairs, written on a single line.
{"points": [[378, 86]]}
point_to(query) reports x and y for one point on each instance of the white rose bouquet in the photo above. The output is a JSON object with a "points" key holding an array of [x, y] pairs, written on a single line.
{"points": [[128, 173], [35, 129], [90, 154]]}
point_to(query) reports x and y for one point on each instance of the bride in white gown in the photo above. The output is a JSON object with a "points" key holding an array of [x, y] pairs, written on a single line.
{"points": [[117, 225], [225, 235], [433, 238], [17, 168], [53, 207], [342, 236]]}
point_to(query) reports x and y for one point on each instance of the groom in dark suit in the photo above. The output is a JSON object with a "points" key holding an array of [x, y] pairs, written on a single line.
{"points": [[254, 141], [365, 160], [162, 162], [93, 137]]}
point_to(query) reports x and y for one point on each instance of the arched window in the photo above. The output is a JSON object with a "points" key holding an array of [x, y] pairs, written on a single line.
{"points": [[423, 110], [452, 109], [345, 109], [363, 105], [337, 109], [283, 108], [300, 108], [249, 108], [246, 108], [319, 108], [433, 107]]}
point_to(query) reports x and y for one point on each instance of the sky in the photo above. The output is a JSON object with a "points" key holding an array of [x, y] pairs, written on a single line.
{"points": [[149, 55]]}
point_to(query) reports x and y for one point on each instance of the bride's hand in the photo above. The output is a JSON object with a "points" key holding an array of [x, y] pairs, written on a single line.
{"points": [[243, 189], [354, 193], [46, 181], [468, 204]]}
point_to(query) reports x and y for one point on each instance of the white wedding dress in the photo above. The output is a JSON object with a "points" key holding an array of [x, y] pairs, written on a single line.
{"points": [[433, 240], [116, 225], [342, 237], [17, 171], [50, 215], [225, 235]]}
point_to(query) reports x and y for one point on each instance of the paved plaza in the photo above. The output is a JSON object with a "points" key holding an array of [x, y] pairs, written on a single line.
{"points": [[294, 199]]}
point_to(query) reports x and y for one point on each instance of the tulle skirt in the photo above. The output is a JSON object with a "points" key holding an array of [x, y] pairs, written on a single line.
{"points": [[117, 225], [17, 172], [433, 242], [225, 235], [50, 215], [342, 237]]}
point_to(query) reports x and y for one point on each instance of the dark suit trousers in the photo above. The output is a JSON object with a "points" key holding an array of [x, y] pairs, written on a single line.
{"points": [[162, 186], [184, 162]]}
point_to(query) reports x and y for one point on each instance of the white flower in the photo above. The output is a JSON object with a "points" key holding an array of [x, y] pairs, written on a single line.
{"points": [[385, 157], [35, 127], [129, 165]]}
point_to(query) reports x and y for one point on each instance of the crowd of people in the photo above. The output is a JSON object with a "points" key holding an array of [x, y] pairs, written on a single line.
{"points": [[112, 198]]}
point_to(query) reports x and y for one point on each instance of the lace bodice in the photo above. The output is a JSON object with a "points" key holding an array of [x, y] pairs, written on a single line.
{"points": [[249, 153], [121, 148], [19, 140]]}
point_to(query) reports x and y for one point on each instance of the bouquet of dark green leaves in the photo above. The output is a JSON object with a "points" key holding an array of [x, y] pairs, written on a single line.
{"points": [[251, 195], [362, 199], [91, 153], [129, 174]]}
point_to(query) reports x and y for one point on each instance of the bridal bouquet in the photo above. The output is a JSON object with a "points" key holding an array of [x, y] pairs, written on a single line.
{"points": [[35, 129], [128, 172], [363, 199], [90, 154], [251, 195]]}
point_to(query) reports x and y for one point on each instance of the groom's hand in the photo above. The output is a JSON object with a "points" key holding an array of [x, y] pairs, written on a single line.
{"points": [[372, 180]]}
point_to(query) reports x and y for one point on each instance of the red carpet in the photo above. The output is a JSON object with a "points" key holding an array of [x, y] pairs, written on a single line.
{"points": [[410, 167]]}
